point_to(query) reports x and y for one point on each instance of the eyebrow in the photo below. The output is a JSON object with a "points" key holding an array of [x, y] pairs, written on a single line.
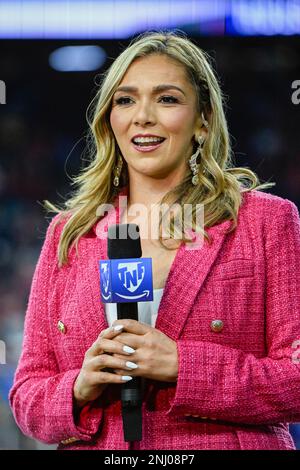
{"points": [[156, 89]]}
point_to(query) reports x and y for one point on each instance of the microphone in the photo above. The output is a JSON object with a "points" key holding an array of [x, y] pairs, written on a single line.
{"points": [[126, 279]]}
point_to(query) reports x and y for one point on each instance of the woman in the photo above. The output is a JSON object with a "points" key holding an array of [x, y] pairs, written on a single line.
{"points": [[220, 361]]}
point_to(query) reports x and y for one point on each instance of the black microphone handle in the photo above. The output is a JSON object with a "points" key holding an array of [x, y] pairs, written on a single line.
{"points": [[127, 310], [120, 247], [131, 391]]}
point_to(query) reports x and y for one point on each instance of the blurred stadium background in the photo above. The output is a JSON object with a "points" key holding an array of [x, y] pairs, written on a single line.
{"points": [[51, 56]]}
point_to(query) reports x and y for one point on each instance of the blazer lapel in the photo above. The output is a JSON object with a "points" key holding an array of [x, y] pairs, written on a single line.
{"points": [[185, 279], [88, 285]]}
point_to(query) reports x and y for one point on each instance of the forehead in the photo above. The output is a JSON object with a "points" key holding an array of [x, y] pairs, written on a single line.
{"points": [[155, 69]]}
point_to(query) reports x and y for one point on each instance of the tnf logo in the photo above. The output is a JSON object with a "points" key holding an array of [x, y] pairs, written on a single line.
{"points": [[126, 280], [131, 275]]}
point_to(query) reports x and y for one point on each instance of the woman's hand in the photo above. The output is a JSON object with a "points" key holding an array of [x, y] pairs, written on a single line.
{"points": [[93, 376], [155, 353]]}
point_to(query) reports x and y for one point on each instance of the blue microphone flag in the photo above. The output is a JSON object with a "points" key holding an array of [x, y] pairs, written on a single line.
{"points": [[126, 280]]}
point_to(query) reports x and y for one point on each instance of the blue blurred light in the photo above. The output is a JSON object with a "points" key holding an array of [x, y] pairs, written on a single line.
{"points": [[107, 19], [77, 58], [263, 17]]}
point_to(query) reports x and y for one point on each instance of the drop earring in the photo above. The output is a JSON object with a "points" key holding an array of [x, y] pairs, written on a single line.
{"points": [[205, 122], [117, 171], [194, 166]]}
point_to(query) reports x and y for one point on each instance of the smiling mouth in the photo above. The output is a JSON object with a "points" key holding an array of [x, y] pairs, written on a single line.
{"points": [[147, 146], [149, 143]]}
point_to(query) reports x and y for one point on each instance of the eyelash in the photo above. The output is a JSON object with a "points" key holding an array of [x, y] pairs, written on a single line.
{"points": [[119, 100]]}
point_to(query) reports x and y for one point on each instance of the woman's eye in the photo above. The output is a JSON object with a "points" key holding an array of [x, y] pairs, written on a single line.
{"points": [[122, 100], [170, 99], [165, 99]]}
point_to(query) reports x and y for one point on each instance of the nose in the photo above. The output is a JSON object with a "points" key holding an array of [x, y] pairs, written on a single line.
{"points": [[144, 113]]}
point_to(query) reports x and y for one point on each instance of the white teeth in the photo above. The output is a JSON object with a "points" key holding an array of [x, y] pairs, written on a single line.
{"points": [[142, 140]]}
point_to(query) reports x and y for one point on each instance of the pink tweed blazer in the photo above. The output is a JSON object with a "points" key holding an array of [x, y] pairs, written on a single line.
{"points": [[237, 388]]}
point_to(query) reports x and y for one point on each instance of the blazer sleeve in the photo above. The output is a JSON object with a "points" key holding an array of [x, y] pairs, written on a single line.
{"points": [[228, 384], [41, 397]]}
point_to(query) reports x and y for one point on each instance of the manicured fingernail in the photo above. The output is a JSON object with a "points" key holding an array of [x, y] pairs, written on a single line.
{"points": [[126, 378], [118, 327], [128, 349], [131, 365]]}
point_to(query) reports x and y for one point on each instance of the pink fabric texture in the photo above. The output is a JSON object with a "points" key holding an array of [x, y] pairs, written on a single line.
{"points": [[237, 388]]}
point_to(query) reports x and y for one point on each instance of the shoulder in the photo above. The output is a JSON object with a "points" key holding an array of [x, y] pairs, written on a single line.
{"points": [[266, 205], [56, 226], [269, 216], [52, 236]]}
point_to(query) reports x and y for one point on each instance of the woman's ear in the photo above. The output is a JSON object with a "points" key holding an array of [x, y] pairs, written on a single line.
{"points": [[204, 126], [201, 127]]}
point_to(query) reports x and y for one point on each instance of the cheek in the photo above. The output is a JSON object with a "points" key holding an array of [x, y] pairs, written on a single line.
{"points": [[117, 122], [179, 122]]}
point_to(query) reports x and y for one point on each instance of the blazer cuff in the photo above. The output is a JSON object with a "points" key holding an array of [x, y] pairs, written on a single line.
{"points": [[190, 379], [68, 427]]}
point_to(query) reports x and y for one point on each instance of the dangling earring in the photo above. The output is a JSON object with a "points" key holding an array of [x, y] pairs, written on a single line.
{"points": [[193, 161], [117, 171], [205, 122]]}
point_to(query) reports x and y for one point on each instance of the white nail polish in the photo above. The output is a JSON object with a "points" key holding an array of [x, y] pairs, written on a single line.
{"points": [[118, 327], [126, 378], [131, 365], [128, 349]]}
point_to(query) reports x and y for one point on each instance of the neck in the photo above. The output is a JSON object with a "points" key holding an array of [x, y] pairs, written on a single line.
{"points": [[146, 193], [148, 190]]}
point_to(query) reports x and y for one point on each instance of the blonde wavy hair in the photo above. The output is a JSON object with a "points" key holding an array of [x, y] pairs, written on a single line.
{"points": [[220, 186]]}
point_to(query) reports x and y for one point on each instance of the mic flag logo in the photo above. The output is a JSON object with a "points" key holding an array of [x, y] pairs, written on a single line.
{"points": [[104, 280], [131, 276], [126, 280]]}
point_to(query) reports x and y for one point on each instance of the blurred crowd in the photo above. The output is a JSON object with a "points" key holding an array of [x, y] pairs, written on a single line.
{"points": [[42, 137]]}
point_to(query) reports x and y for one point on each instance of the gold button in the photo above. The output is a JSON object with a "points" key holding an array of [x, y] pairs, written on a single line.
{"points": [[203, 417], [187, 415], [195, 416], [61, 327], [216, 326], [70, 440]]}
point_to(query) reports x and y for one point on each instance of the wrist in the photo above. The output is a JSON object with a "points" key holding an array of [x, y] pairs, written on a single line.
{"points": [[78, 400], [80, 403]]}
